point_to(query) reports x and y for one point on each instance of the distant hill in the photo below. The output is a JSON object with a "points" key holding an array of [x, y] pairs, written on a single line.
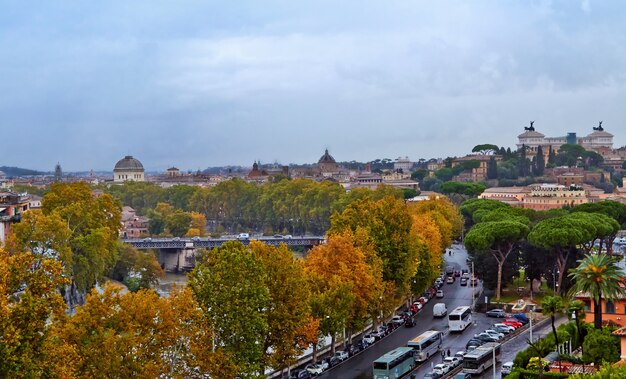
{"points": [[16, 171]]}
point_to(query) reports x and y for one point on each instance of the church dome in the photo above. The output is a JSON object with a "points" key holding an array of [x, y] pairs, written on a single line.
{"points": [[327, 158], [128, 163]]}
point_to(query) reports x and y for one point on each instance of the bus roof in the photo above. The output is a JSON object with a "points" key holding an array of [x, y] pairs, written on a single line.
{"points": [[459, 310], [393, 354], [425, 335], [482, 350]]}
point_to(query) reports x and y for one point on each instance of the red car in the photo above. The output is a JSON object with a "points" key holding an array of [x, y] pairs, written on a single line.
{"points": [[512, 322]]}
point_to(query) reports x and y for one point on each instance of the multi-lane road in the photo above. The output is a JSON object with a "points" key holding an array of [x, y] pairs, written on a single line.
{"points": [[360, 366]]}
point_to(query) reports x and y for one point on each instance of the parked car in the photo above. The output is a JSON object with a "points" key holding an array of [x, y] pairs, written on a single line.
{"points": [[432, 375], [387, 328], [441, 368], [410, 322], [494, 333], [314, 368], [342, 355], [398, 320], [332, 361], [278, 236], [301, 374], [460, 355], [377, 334], [486, 337], [440, 294], [243, 236], [496, 313], [507, 367], [462, 375], [360, 345], [521, 318], [475, 342], [450, 279], [452, 361], [370, 339], [501, 328], [438, 281], [513, 322]]}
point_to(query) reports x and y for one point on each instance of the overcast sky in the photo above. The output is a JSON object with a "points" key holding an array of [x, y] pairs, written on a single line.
{"points": [[208, 83]]}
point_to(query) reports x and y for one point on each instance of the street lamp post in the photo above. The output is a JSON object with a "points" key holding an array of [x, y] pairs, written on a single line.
{"points": [[555, 273], [531, 325]]}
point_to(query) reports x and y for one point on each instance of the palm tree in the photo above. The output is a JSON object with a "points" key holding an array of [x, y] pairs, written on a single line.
{"points": [[576, 308], [598, 276], [552, 306]]}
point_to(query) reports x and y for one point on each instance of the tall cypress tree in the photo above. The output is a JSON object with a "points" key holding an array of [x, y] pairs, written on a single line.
{"points": [[492, 168], [522, 163], [540, 162]]}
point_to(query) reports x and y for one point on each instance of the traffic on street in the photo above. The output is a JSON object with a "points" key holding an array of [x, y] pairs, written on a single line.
{"points": [[430, 318]]}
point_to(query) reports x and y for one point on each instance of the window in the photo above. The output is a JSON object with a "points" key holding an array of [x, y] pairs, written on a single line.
{"points": [[609, 307], [588, 305]]}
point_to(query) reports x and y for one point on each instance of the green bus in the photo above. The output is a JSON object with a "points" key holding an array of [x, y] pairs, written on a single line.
{"points": [[395, 363]]}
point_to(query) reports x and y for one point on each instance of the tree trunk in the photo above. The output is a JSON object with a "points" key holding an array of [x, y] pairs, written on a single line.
{"points": [[556, 337], [73, 297], [332, 344], [597, 313], [499, 286], [314, 354], [561, 262]]}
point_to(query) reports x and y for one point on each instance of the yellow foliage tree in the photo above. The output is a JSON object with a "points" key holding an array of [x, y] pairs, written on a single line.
{"points": [[137, 335], [28, 300], [291, 328], [339, 261]]}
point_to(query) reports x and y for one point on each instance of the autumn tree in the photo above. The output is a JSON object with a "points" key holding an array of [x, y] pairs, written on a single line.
{"points": [[137, 269], [93, 224], [340, 261], [178, 223], [444, 213], [198, 225], [229, 284], [28, 300], [138, 335], [388, 224], [291, 327]]}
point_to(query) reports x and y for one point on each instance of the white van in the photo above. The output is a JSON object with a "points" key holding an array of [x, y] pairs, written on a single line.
{"points": [[507, 367], [440, 310]]}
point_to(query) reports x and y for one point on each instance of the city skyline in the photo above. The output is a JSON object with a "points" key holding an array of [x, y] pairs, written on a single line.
{"points": [[205, 84]]}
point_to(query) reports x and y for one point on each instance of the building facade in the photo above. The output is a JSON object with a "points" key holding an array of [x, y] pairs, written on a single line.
{"points": [[553, 196], [12, 206], [599, 140]]}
